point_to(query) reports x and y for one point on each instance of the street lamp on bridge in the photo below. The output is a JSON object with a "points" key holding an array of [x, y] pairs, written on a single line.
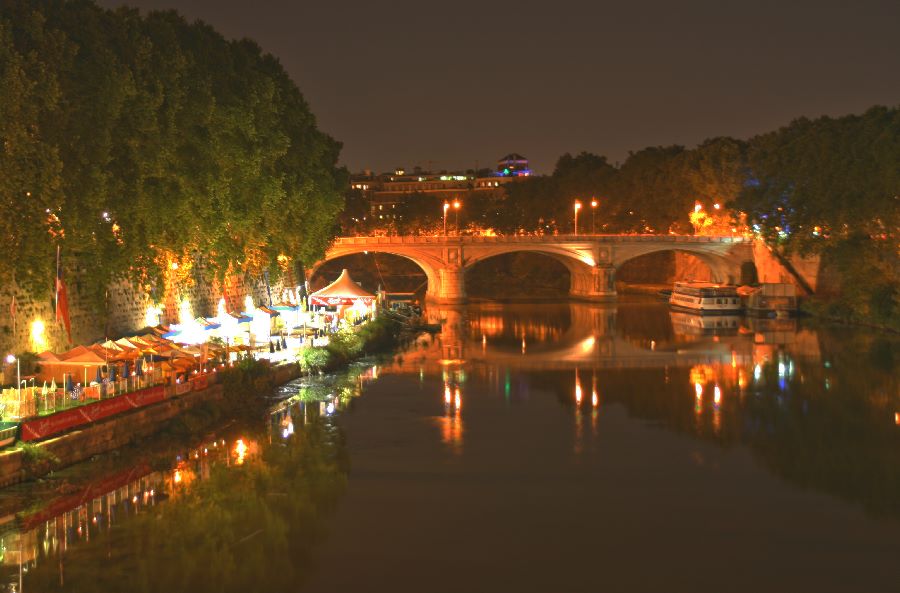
{"points": [[446, 207], [456, 205], [593, 216], [577, 208]]}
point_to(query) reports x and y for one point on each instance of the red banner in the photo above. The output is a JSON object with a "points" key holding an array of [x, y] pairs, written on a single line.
{"points": [[200, 382], [334, 301], [39, 428]]}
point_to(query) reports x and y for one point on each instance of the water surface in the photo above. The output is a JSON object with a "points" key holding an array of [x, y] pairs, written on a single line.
{"points": [[566, 447]]}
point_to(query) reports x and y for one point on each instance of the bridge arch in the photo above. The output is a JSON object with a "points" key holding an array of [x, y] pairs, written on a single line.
{"points": [[578, 263], [429, 264], [587, 279], [722, 268]]}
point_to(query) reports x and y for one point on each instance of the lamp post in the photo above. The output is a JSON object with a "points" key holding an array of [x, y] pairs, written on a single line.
{"points": [[11, 359], [593, 216], [456, 206], [577, 208], [446, 207]]}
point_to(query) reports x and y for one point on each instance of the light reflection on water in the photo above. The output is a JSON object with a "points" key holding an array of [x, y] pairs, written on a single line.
{"points": [[818, 408]]}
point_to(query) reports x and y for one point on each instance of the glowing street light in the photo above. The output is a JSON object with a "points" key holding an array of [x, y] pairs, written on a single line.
{"points": [[577, 208], [456, 205], [594, 204], [446, 207]]}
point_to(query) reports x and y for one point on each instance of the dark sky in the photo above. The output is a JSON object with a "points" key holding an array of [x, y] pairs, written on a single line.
{"points": [[443, 85]]}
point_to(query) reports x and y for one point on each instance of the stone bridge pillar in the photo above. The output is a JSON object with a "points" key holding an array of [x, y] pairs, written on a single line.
{"points": [[450, 287], [595, 283]]}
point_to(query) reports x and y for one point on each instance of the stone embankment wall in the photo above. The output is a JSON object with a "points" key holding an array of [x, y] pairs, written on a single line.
{"points": [[115, 432], [125, 312], [770, 269], [101, 437]]}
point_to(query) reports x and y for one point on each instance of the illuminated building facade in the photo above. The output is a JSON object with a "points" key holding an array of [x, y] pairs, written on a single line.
{"points": [[385, 191]]}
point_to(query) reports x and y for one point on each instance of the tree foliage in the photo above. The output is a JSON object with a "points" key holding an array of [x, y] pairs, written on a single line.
{"points": [[653, 191], [133, 141], [831, 186]]}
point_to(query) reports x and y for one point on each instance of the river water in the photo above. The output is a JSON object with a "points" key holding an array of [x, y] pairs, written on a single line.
{"points": [[564, 447]]}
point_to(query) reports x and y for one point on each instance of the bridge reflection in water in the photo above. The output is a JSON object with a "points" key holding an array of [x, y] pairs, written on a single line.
{"points": [[598, 336], [731, 380]]}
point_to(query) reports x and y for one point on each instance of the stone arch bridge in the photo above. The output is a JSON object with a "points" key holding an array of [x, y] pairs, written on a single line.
{"points": [[592, 260]]}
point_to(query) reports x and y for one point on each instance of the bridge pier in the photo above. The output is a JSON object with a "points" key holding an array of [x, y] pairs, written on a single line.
{"points": [[595, 283], [450, 288]]}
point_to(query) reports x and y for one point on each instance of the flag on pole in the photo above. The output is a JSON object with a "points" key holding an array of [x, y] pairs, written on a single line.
{"points": [[62, 300]]}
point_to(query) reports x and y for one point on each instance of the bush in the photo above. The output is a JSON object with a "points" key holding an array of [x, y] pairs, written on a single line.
{"points": [[345, 345], [313, 359]]}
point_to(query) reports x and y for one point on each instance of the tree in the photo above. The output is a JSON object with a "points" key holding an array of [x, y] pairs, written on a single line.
{"points": [[137, 142]]}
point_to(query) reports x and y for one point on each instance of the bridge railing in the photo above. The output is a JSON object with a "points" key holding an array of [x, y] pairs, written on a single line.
{"points": [[472, 239]]}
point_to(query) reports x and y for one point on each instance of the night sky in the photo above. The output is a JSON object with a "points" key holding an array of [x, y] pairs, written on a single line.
{"points": [[446, 85]]}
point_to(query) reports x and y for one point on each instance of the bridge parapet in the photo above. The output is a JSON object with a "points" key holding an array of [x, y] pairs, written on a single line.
{"points": [[478, 239]]}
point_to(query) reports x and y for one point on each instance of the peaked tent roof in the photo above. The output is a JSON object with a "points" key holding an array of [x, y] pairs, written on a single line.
{"points": [[110, 345], [81, 355], [343, 287]]}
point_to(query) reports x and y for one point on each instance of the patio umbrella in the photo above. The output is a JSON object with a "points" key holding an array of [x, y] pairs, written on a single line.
{"points": [[283, 343], [271, 348], [99, 377], [69, 385], [112, 372], [138, 369], [127, 372]]}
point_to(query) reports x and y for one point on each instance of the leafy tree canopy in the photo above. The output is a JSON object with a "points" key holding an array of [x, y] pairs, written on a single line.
{"points": [[135, 141]]}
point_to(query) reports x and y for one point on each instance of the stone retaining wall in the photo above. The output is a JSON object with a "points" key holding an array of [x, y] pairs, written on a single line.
{"points": [[103, 436], [125, 312], [113, 433]]}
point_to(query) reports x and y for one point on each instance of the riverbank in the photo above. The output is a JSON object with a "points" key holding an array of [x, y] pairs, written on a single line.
{"points": [[238, 391]]}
